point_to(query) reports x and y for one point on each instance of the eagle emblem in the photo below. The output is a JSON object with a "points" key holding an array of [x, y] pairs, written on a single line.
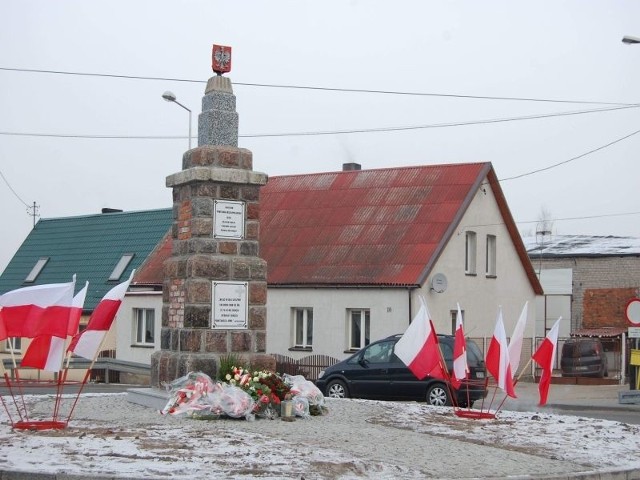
{"points": [[221, 59]]}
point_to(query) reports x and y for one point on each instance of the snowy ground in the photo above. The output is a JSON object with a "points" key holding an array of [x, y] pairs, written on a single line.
{"points": [[357, 439]]}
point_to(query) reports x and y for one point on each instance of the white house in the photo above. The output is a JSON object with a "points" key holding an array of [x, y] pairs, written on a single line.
{"points": [[349, 253]]}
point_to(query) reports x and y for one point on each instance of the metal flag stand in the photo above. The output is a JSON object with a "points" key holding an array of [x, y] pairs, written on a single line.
{"points": [[17, 408], [474, 414]]}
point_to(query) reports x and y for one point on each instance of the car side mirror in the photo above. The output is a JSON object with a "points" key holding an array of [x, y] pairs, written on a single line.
{"points": [[363, 362]]}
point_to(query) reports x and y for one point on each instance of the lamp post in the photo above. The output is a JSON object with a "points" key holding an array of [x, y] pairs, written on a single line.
{"points": [[171, 97]]}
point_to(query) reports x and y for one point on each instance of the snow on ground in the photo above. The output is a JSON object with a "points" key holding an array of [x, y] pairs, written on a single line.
{"points": [[356, 439]]}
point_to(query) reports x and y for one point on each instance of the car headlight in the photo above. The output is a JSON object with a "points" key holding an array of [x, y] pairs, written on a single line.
{"points": [[321, 374]]}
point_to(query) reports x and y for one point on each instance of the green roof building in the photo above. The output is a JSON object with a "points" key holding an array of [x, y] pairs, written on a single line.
{"points": [[102, 249]]}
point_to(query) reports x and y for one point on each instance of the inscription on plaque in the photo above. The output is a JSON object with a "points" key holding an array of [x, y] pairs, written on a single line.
{"points": [[228, 219], [230, 305]]}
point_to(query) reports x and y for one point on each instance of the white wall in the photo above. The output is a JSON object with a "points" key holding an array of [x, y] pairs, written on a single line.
{"points": [[479, 296], [389, 311], [126, 350]]}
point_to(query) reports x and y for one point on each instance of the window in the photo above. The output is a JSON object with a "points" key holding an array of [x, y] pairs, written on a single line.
{"points": [[144, 323], [454, 320], [359, 326], [13, 344], [470, 253], [302, 327], [491, 255], [121, 266], [37, 268]]}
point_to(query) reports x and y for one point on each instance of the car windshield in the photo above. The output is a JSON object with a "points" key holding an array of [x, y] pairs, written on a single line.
{"points": [[474, 354]]}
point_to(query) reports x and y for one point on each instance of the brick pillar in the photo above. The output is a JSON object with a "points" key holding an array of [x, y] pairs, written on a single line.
{"points": [[210, 256]]}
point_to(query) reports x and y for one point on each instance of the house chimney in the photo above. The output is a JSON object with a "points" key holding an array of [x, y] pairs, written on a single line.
{"points": [[351, 166]]}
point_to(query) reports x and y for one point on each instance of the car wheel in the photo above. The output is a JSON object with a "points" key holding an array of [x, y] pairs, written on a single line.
{"points": [[337, 389], [438, 396]]}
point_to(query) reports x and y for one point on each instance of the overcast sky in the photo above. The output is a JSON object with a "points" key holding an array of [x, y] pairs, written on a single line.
{"points": [[566, 51]]}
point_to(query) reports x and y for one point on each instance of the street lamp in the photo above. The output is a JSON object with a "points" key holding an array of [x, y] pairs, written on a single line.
{"points": [[630, 40], [171, 97]]}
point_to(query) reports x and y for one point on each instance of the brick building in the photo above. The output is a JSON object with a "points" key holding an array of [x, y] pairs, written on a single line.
{"points": [[604, 274]]}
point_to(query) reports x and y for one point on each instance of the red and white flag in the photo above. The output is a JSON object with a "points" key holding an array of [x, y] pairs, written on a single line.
{"points": [[515, 344], [46, 352], [498, 358], [545, 356], [418, 347], [88, 342], [37, 310], [76, 310], [460, 367]]}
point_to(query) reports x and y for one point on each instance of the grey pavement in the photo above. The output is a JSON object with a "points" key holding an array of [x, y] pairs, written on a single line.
{"points": [[570, 397]]}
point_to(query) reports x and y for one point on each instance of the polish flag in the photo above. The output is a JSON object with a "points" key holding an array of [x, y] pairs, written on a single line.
{"points": [[515, 344], [460, 367], [498, 358], [76, 310], [37, 310], [545, 356], [418, 347], [88, 342], [46, 352]]}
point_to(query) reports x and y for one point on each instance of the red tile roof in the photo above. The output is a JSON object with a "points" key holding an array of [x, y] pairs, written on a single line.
{"points": [[152, 270], [361, 227], [365, 227]]}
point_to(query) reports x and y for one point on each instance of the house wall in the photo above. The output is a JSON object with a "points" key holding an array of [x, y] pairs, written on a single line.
{"points": [[125, 325], [389, 311], [480, 295], [619, 275]]}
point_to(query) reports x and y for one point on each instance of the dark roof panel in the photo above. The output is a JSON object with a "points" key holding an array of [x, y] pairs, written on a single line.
{"points": [[89, 246]]}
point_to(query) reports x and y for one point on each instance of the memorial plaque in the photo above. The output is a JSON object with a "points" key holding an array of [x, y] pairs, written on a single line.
{"points": [[228, 219], [230, 305]]}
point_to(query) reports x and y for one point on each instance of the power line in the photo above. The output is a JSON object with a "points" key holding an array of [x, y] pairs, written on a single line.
{"points": [[12, 190], [438, 125], [317, 88], [571, 159], [587, 217], [331, 132]]}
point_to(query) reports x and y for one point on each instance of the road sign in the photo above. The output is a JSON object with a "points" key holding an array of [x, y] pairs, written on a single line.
{"points": [[632, 311], [634, 332]]}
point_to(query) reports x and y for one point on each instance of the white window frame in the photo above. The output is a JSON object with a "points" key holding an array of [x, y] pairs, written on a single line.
{"points": [[470, 250], [363, 338], [15, 347], [148, 316], [492, 243], [302, 327]]}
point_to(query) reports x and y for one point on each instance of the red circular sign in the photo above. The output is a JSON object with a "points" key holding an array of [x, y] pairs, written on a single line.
{"points": [[632, 311]]}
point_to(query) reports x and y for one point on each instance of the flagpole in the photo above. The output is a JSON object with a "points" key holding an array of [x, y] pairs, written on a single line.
{"points": [[86, 375]]}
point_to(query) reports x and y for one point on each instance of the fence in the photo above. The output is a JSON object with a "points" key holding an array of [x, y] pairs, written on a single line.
{"points": [[310, 367]]}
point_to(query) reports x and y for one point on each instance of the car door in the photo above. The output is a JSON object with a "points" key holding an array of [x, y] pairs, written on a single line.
{"points": [[370, 378]]}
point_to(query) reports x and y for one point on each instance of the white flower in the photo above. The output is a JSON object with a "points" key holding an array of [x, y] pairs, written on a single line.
{"points": [[228, 377]]}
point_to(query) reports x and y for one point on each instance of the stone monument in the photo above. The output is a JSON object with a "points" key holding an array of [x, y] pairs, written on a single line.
{"points": [[215, 283]]}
